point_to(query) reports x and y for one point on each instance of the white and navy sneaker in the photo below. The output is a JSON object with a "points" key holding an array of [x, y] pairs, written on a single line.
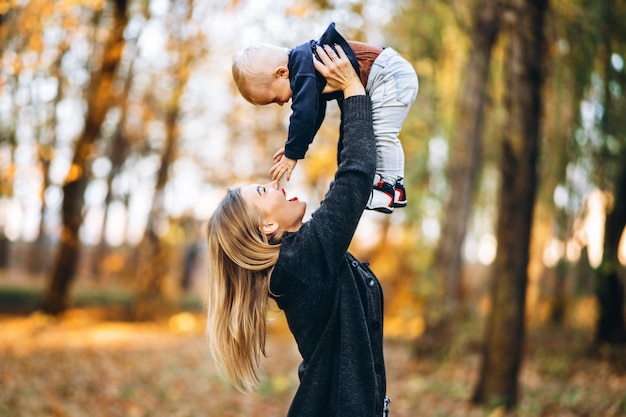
{"points": [[399, 198], [382, 197]]}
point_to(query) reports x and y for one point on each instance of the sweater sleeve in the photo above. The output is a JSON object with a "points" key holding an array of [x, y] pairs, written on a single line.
{"points": [[317, 249], [308, 106]]}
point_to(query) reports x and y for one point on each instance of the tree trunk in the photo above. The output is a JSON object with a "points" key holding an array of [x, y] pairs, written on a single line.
{"points": [[502, 350], [7, 179], [6, 190], [154, 261], [558, 297], [610, 326], [98, 100], [40, 257], [553, 219], [466, 154], [118, 151], [4, 249], [610, 292]]}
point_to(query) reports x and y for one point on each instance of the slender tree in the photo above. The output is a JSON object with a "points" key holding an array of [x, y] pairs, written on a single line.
{"points": [[554, 218], [610, 326], [504, 337], [153, 256], [9, 35], [466, 152], [99, 95], [7, 175], [118, 149], [46, 150]]}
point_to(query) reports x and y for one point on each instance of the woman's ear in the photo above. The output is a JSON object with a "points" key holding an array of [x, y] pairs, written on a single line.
{"points": [[269, 228], [281, 72]]}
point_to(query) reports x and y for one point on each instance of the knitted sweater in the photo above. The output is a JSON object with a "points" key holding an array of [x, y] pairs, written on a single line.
{"points": [[332, 302]]}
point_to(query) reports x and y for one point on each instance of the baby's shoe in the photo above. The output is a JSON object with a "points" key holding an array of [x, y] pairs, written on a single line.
{"points": [[399, 199], [381, 197]]}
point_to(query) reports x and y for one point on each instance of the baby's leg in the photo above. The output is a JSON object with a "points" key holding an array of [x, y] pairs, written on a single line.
{"points": [[392, 87], [388, 121]]}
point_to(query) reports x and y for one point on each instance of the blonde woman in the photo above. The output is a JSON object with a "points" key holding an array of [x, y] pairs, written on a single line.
{"points": [[259, 247]]}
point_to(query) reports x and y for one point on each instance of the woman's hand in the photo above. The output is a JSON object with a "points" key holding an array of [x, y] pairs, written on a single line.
{"points": [[338, 71]]}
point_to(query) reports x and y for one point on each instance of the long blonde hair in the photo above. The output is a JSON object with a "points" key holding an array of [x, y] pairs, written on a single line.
{"points": [[241, 260], [253, 68]]}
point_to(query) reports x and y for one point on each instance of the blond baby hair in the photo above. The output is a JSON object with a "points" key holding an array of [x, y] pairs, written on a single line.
{"points": [[253, 68]]}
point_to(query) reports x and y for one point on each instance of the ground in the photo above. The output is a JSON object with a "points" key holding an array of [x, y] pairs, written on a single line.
{"points": [[84, 364]]}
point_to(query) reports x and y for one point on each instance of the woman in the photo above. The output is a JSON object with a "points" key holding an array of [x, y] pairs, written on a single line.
{"points": [[259, 247]]}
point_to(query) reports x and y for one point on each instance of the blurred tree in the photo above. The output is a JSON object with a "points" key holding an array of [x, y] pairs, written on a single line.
{"points": [[610, 273], [118, 151], [6, 191], [8, 25], [577, 32], [502, 350], [192, 249], [28, 66], [429, 35], [118, 147], [99, 100], [46, 148], [153, 262], [554, 215], [466, 151], [610, 326], [433, 36]]}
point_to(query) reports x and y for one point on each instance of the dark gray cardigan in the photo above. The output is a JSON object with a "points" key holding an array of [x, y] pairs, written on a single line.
{"points": [[334, 303]]}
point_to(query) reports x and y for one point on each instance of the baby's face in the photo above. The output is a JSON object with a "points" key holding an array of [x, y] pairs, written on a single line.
{"points": [[279, 92]]}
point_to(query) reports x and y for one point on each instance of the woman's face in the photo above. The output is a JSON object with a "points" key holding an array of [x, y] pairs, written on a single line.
{"points": [[271, 201]]}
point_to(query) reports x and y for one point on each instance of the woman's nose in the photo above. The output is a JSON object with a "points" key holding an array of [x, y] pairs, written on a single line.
{"points": [[273, 184]]}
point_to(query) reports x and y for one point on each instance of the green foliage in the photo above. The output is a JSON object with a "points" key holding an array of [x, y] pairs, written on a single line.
{"points": [[19, 299], [22, 300], [102, 299]]}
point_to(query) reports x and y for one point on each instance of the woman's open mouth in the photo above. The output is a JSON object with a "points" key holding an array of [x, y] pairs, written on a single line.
{"points": [[285, 193]]}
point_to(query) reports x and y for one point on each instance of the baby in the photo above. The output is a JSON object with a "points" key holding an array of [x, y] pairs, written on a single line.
{"points": [[266, 74]]}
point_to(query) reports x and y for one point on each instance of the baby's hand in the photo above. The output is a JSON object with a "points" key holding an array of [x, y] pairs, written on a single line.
{"points": [[282, 167]]}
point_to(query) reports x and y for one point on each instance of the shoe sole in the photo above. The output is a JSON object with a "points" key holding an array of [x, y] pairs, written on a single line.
{"points": [[385, 210]]}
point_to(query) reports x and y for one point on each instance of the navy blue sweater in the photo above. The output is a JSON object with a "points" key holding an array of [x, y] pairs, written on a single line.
{"points": [[308, 104], [332, 302]]}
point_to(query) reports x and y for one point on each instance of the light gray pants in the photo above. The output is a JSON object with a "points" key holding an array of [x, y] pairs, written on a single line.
{"points": [[392, 86]]}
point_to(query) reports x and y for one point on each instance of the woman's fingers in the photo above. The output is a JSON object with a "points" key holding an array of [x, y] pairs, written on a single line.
{"points": [[340, 51], [321, 52], [331, 54], [329, 58]]}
